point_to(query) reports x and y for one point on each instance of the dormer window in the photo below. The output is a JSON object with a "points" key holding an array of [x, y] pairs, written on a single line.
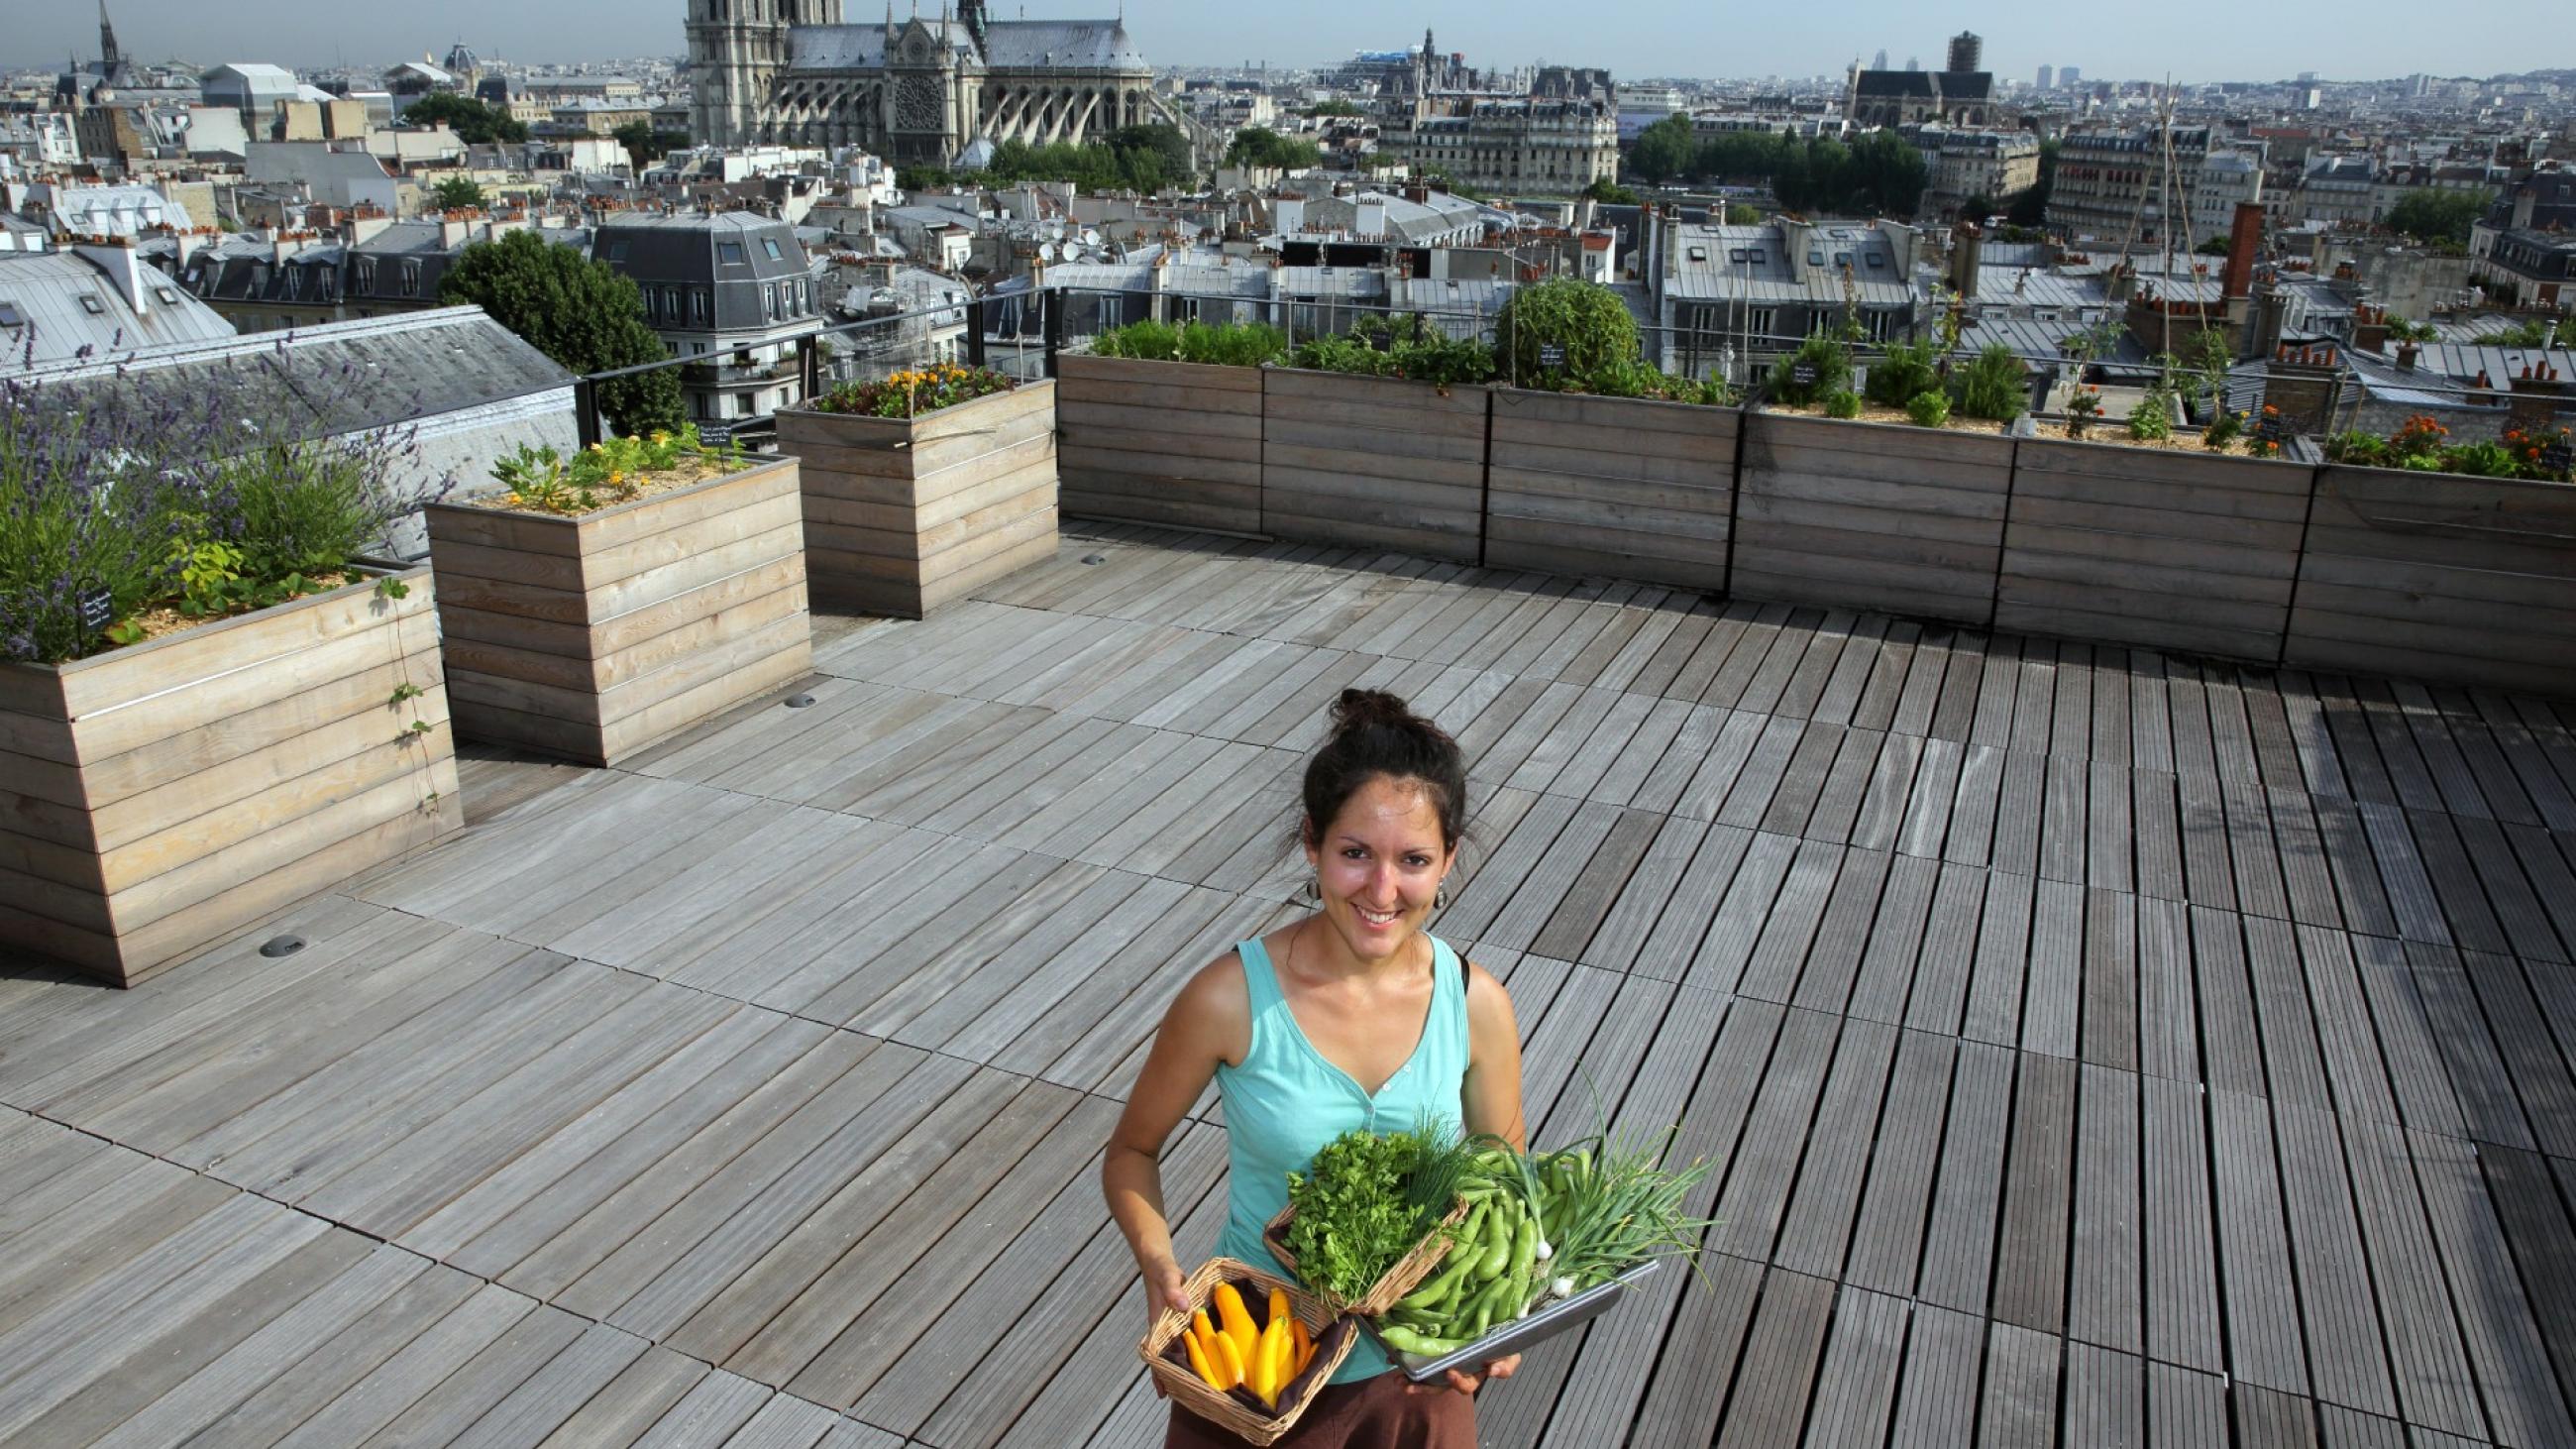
{"points": [[91, 304]]}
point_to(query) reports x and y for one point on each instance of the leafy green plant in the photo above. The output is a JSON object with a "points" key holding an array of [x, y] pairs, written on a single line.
{"points": [[1842, 403], [1413, 349], [1990, 386], [2480, 460], [2151, 420], [1929, 409], [1904, 372], [1354, 1216], [2364, 450], [1830, 359], [912, 392], [152, 498], [1640, 379], [584, 314], [1582, 325], [612, 471], [1233, 344], [2083, 405], [2223, 430], [1144, 341]]}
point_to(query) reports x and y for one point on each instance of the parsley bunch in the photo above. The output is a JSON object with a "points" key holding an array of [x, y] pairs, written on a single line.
{"points": [[1354, 1217]]}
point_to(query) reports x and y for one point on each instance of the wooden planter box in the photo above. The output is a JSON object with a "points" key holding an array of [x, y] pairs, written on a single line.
{"points": [[904, 514], [1604, 485], [157, 798], [594, 637], [1871, 516], [2152, 546], [2439, 577], [1372, 462], [1173, 444]]}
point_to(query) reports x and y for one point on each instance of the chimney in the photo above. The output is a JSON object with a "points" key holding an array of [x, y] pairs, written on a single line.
{"points": [[2244, 239], [2538, 397], [2370, 329], [116, 257], [1967, 253], [2406, 355]]}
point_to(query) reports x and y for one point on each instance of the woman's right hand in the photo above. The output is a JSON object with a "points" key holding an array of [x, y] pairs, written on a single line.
{"points": [[1166, 1286]]}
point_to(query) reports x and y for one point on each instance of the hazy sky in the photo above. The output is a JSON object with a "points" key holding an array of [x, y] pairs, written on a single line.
{"points": [[1635, 38]]}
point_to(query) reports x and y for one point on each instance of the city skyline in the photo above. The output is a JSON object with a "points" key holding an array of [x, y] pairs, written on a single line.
{"points": [[2374, 39]]}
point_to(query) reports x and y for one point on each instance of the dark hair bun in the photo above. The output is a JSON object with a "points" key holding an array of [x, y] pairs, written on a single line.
{"points": [[1359, 709], [1375, 733]]}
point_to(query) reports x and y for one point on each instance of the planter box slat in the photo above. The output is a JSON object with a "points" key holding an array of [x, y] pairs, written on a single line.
{"points": [[905, 514], [2261, 483], [1343, 463], [2274, 537], [1527, 534], [2450, 579], [2112, 625], [1871, 516], [1680, 499], [2032, 479], [1645, 421], [1186, 437], [654, 553], [2249, 565], [1090, 371], [697, 595], [1505, 550], [136, 955], [1602, 452], [182, 798], [102, 782], [1156, 419], [254, 761], [1611, 520]]}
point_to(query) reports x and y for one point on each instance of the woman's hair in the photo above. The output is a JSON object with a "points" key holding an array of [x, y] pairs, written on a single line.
{"points": [[1375, 733]]}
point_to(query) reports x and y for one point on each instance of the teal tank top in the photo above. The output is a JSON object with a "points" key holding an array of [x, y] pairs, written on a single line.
{"points": [[1286, 1101]]}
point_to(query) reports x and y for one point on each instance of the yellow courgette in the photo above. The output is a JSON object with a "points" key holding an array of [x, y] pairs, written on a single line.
{"points": [[1199, 1362], [1229, 1361], [1270, 1358], [1237, 1320]]}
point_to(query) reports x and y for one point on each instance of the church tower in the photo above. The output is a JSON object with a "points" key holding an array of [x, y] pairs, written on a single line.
{"points": [[736, 48]]}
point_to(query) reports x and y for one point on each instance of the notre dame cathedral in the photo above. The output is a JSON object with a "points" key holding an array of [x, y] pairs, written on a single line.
{"points": [[914, 91]]}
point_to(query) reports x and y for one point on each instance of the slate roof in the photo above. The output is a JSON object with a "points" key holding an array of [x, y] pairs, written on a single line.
{"points": [[45, 292], [345, 377], [1764, 273], [1090, 44]]}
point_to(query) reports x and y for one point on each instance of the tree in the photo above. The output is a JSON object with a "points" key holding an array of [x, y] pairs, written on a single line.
{"points": [[1610, 192], [2214, 247], [1664, 151], [474, 123], [644, 145], [583, 314], [1154, 155], [1335, 107], [457, 193], [1261, 146], [1739, 214], [2436, 217]]}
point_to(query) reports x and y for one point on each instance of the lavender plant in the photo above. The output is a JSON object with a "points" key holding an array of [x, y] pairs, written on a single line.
{"points": [[204, 499]]}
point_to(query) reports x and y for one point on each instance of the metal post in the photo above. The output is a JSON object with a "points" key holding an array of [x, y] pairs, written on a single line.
{"points": [[585, 407], [1054, 327], [809, 367], [975, 333]]}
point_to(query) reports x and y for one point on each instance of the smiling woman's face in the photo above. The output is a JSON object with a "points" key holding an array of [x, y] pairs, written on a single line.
{"points": [[1378, 866]]}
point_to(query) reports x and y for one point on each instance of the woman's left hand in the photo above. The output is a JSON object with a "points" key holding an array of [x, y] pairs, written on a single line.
{"points": [[1495, 1372]]}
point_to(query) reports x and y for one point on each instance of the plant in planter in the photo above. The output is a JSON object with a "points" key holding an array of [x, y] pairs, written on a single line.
{"points": [[607, 600], [1560, 333], [2082, 407], [1842, 403], [2223, 430], [923, 486], [1821, 365], [2151, 421], [195, 552], [1928, 409], [1990, 386], [1905, 373]]}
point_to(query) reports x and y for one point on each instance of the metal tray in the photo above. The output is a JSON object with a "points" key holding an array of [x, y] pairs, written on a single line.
{"points": [[1513, 1337]]}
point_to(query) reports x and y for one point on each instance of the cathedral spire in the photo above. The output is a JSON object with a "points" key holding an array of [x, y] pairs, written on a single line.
{"points": [[106, 42]]}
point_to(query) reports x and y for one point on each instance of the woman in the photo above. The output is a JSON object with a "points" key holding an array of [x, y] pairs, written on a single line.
{"points": [[1351, 1017]]}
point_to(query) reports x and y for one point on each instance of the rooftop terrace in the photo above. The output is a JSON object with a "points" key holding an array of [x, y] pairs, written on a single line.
{"points": [[2096, 1047]]}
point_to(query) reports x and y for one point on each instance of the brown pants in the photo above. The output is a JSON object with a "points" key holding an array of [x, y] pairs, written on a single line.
{"points": [[1384, 1412]]}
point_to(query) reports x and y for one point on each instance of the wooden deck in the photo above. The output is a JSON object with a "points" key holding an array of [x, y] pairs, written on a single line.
{"points": [[2096, 1048]]}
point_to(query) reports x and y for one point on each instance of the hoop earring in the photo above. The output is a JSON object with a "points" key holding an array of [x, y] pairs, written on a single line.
{"points": [[1440, 897], [1309, 894]]}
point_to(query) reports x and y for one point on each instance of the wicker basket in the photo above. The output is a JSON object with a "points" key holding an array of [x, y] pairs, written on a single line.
{"points": [[1237, 1411], [1403, 1278]]}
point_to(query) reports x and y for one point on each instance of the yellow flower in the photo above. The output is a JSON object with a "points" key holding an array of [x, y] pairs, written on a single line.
{"points": [[616, 477]]}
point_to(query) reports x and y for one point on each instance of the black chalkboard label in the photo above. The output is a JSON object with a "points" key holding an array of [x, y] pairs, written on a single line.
{"points": [[1551, 354], [1802, 374], [97, 607], [2558, 456]]}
